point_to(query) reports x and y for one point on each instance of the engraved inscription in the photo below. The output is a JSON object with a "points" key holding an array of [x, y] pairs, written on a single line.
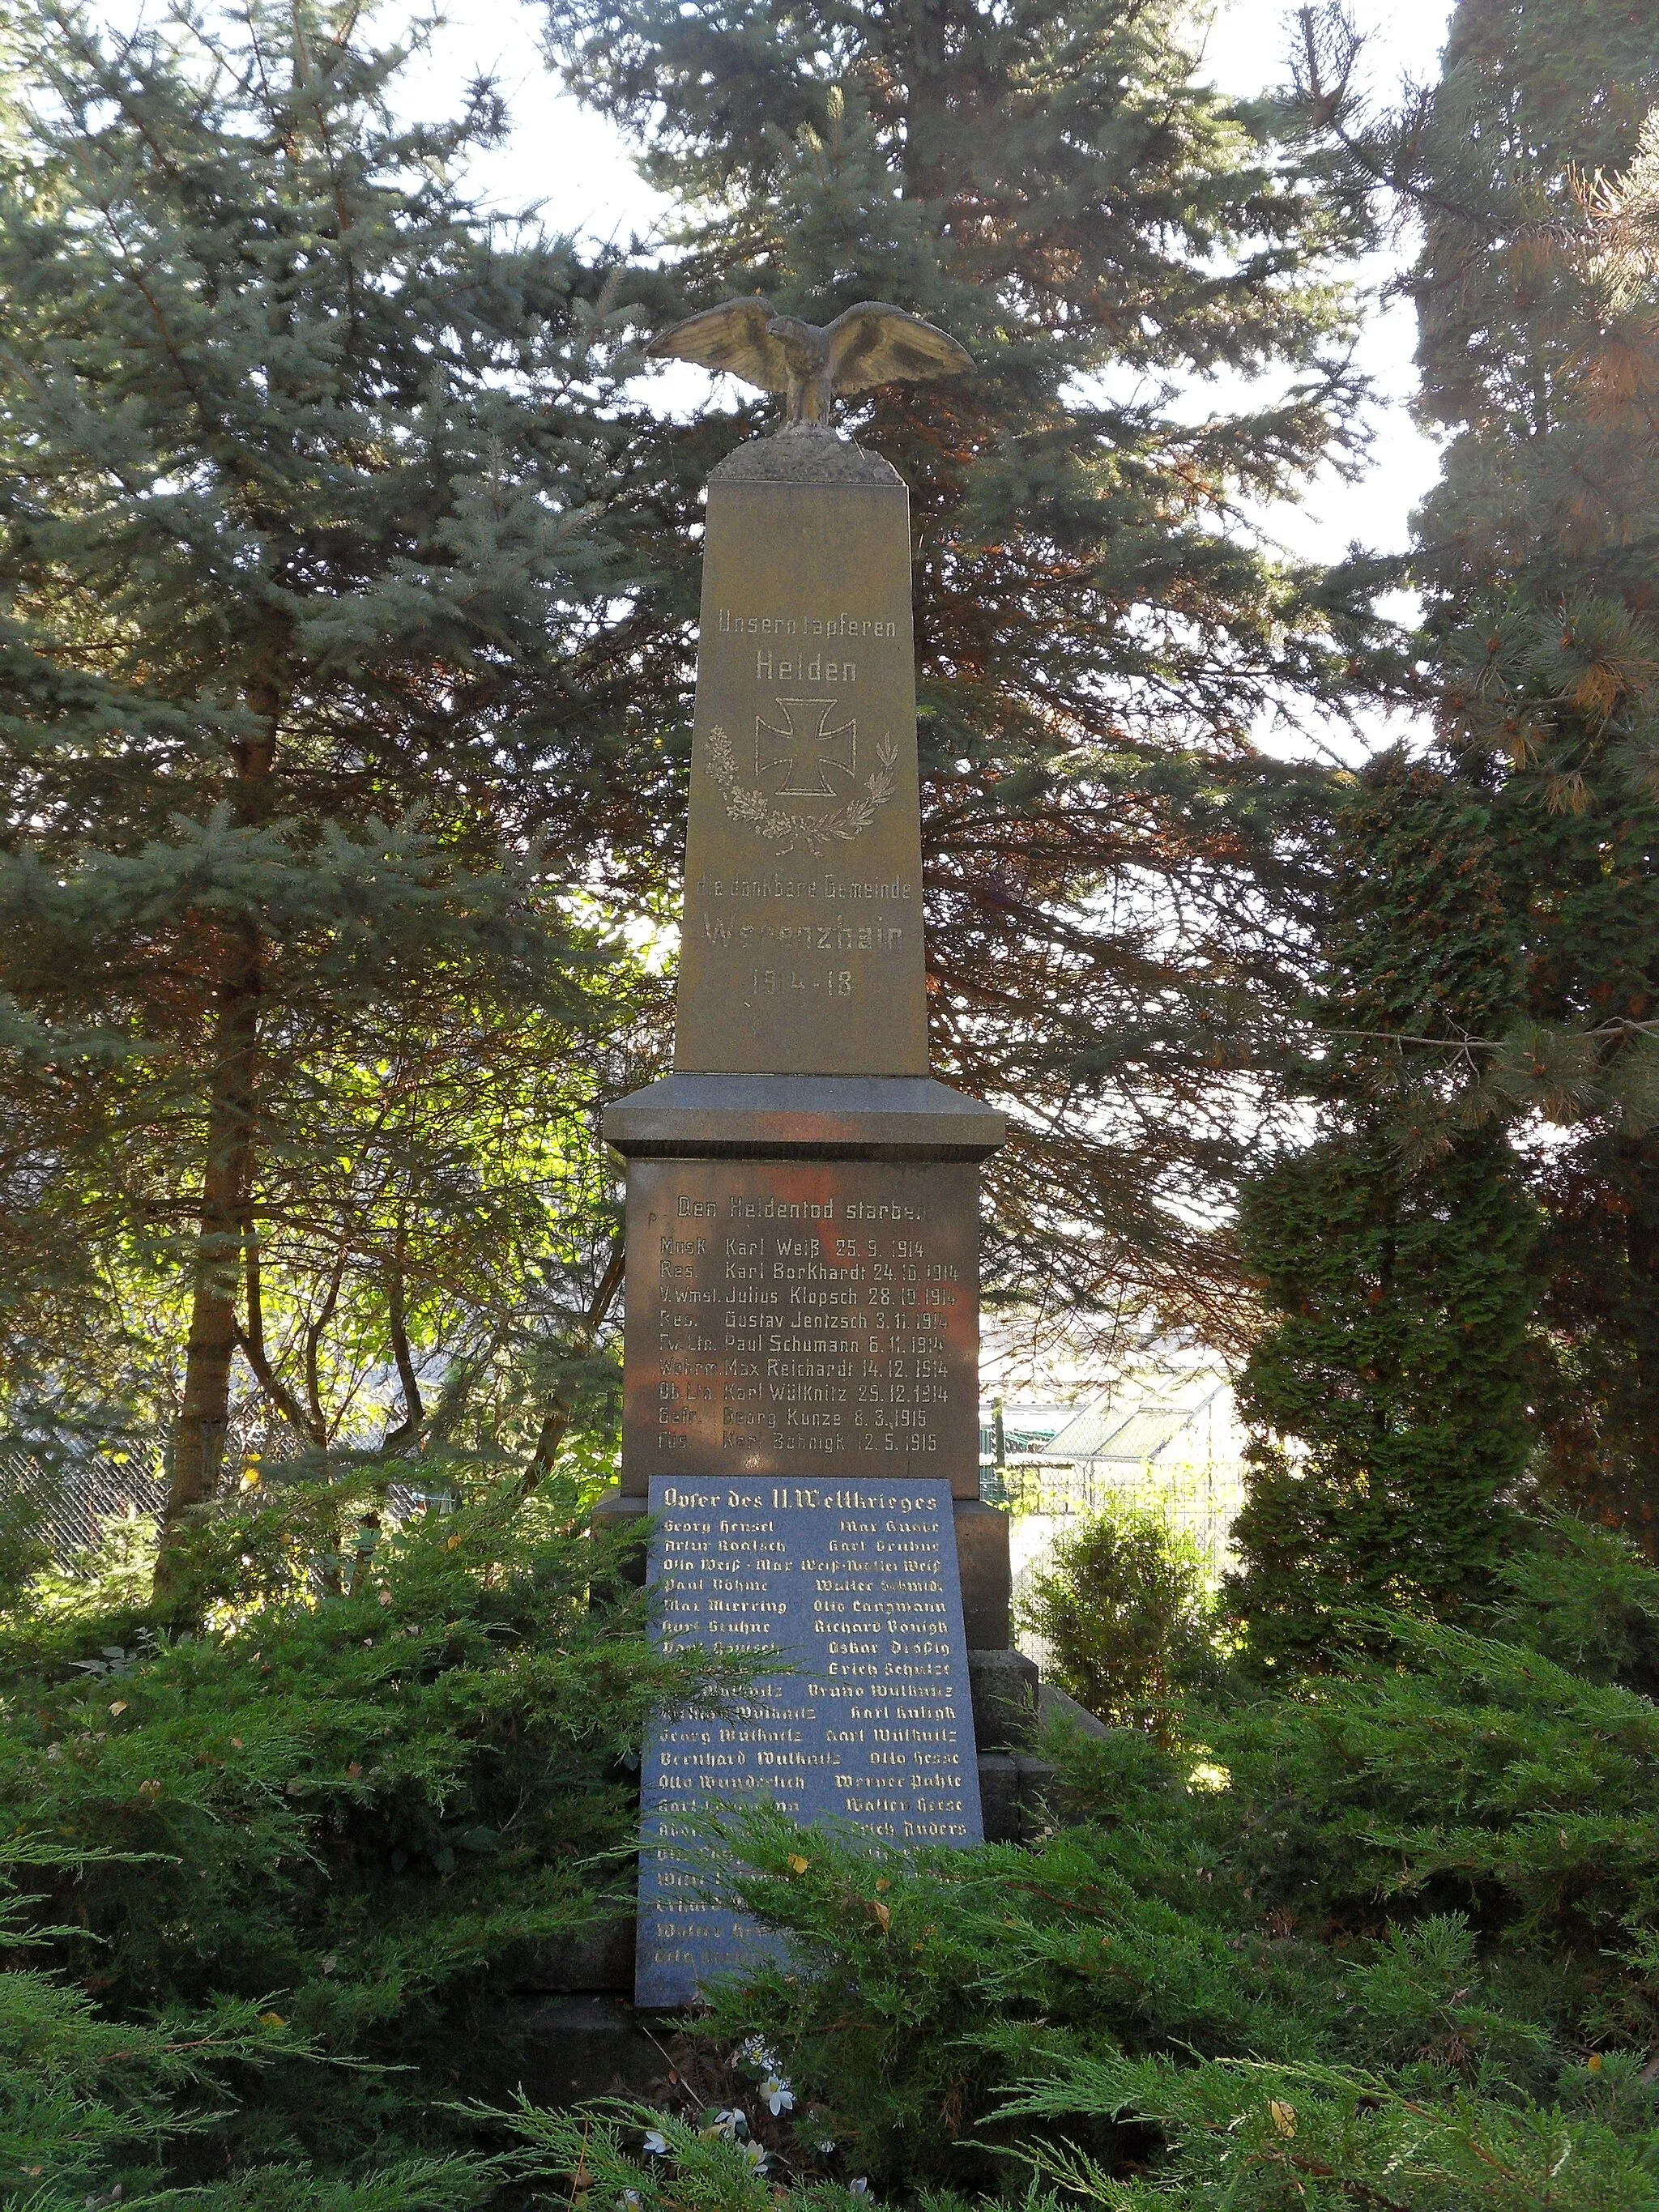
{"points": [[802, 799], [786, 1316], [730, 622], [828, 915], [786, 829], [856, 1582], [805, 747], [800, 740]]}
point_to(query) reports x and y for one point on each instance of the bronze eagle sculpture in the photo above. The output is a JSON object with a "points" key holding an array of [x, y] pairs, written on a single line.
{"points": [[871, 344]]}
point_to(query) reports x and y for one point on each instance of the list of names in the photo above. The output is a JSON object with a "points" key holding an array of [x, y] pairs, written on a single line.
{"points": [[855, 1583], [797, 1317]]}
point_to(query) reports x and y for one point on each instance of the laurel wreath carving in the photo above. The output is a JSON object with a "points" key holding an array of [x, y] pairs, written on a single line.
{"points": [[747, 804]]}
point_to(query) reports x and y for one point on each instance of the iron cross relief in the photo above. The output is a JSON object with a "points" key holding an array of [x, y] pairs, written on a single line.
{"points": [[807, 746]]}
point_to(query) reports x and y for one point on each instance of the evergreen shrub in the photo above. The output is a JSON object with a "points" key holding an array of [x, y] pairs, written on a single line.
{"points": [[93, 2110], [1386, 1935], [1126, 1613], [345, 1804], [1392, 1355]]}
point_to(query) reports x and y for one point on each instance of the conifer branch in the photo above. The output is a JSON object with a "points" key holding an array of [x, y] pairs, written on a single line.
{"points": [[251, 1340]]}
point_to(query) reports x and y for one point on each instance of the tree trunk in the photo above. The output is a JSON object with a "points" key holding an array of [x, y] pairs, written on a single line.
{"points": [[406, 1436], [198, 1436], [555, 1419]]}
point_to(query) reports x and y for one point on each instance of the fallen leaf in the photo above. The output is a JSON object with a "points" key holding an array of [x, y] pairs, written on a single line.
{"points": [[1284, 2119], [272, 2019], [117, 1709], [236, 1743], [354, 1770], [798, 1866], [883, 1916]]}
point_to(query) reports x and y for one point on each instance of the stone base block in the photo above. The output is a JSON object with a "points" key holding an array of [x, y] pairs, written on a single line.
{"points": [[1005, 1690], [612, 1511], [592, 2045], [600, 1957], [1011, 1796], [982, 1568], [1053, 1704]]}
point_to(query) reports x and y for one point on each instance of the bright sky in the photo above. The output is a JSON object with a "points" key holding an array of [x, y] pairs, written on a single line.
{"points": [[578, 167], [1403, 40]]}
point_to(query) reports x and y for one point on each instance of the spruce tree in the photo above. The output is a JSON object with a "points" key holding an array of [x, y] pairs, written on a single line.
{"points": [[1392, 1254], [1536, 290], [1494, 918], [1096, 641], [308, 628]]}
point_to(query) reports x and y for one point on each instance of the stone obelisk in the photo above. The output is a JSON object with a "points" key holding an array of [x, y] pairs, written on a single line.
{"points": [[801, 948], [800, 1385]]}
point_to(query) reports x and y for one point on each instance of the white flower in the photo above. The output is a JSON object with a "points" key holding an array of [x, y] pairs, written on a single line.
{"points": [[825, 2148], [777, 2096], [752, 2052], [656, 2143], [860, 2187], [631, 2199], [733, 2122], [756, 2156]]}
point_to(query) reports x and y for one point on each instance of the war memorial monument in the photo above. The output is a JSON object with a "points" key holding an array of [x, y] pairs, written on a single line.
{"points": [[801, 1337]]}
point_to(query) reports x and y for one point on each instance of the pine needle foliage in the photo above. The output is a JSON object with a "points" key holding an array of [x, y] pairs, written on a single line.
{"points": [[1121, 251], [302, 584], [1395, 1360], [1537, 289], [1386, 1937], [1395, 1254], [360, 1813], [95, 2110], [1531, 165]]}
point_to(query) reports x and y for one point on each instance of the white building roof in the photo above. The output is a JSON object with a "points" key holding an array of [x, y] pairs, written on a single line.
{"points": [[1175, 1418]]}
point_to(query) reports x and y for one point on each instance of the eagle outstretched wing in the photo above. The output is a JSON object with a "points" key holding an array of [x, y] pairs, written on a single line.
{"points": [[872, 344], [734, 337]]}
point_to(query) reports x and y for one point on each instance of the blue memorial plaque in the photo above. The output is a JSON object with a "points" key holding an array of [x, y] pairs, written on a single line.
{"points": [[856, 1581]]}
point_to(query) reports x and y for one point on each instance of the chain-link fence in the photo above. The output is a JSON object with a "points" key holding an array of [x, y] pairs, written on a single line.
{"points": [[78, 1493]]}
